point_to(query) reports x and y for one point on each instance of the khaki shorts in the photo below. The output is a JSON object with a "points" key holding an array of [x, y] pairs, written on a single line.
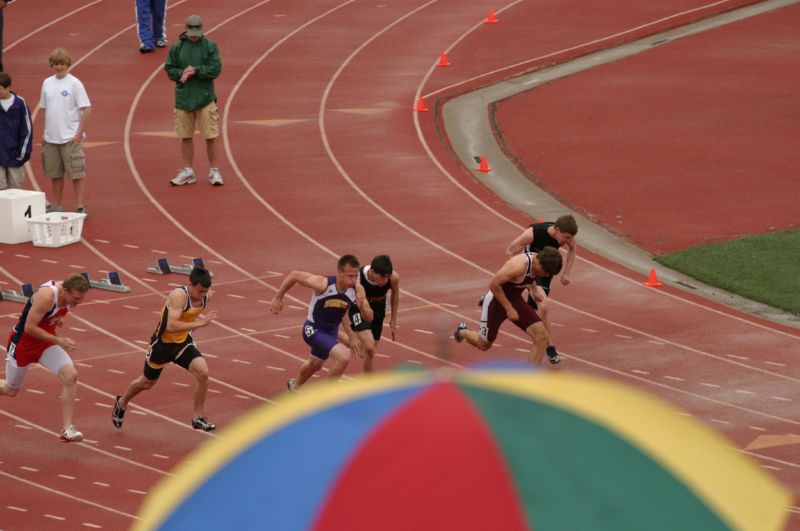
{"points": [[11, 177], [60, 159], [206, 120]]}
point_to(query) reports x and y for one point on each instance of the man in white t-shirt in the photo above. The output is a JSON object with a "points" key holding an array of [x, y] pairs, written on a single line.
{"points": [[66, 109]]}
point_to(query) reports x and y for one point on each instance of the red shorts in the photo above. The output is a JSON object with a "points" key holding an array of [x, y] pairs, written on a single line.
{"points": [[27, 350]]}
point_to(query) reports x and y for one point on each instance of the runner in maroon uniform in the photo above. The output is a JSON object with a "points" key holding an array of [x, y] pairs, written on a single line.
{"points": [[504, 301], [561, 235], [34, 340]]}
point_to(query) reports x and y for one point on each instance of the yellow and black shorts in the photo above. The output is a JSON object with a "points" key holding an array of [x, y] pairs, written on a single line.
{"points": [[161, 353]]}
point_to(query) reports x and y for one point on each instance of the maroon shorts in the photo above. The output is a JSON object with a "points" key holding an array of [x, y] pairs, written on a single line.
{"points": [[493, 314]]}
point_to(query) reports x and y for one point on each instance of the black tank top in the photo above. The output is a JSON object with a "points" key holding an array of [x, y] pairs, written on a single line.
{"points": [[541, 238], [376, 295]]}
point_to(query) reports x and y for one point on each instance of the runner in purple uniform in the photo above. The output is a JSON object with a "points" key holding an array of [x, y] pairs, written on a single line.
{"points": [[332, 297]]}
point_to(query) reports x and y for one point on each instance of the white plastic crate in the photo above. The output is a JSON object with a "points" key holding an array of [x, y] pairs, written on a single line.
{"points": [[56, 229]]}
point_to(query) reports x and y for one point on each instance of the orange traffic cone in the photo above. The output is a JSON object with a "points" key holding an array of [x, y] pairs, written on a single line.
{"points": [[652, 280], [443, 60], [490, 19], [484, 166], [421, 106]]}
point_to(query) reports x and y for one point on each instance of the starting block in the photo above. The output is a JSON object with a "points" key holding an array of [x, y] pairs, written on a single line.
{"points": [[163, 267], [112, 283], [26, 290]]}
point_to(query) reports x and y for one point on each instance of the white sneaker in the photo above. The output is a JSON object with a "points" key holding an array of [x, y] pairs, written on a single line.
{"points": [[185, 176], [161, 43], [214, 177], [71, 434]]}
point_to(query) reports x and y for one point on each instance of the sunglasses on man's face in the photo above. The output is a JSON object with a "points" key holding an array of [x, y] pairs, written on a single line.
{"points": [[194, 26]]}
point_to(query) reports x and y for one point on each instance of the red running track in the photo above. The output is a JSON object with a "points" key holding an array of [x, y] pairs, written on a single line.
{"points": [[323, 155]]}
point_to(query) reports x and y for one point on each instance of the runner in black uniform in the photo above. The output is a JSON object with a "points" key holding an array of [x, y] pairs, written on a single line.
{"points": [[559, 234], [378, 279]]}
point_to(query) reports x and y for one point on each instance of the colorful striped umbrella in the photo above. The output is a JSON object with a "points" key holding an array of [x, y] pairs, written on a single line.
{"points": [[495, 449]]}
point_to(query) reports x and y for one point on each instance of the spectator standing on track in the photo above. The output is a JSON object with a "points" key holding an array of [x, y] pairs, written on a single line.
{"points": [[66, 109], [331, 299], [504, 301], [193, 64], [15, 135], [33, 340], [3, 4], [559, 234], [173, 342], [378, 279], [151, 24]]}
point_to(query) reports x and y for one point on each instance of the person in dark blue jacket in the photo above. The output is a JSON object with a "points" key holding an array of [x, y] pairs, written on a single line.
{"points": [[15, 135]]}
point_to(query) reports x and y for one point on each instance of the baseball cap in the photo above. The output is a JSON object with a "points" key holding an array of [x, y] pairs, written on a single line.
{"points": [[194, 26]]}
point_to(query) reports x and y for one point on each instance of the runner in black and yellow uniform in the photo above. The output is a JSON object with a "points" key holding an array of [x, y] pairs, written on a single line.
{"points": [[172, 342]]}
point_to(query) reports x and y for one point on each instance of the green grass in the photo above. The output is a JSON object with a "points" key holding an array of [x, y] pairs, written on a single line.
{"points": [[764, 268]]}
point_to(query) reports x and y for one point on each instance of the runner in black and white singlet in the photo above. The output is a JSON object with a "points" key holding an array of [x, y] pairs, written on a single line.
{"points": [[504, 301], [378, 279], [561, 235], [330, 301]]}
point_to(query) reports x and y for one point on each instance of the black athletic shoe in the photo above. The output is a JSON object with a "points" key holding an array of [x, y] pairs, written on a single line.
{"points": [[118, 414], [457, 334], [552, 355], [200, 423]]}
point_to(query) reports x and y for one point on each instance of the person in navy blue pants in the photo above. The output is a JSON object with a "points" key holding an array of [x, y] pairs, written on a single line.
{"points": [[151, 20]]}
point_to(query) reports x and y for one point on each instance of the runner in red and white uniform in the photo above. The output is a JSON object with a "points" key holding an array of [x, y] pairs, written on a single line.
{"points": [[33, 340]]}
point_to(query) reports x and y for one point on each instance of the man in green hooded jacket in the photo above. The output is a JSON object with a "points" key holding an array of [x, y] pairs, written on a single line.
{"points": [[193, 64]]}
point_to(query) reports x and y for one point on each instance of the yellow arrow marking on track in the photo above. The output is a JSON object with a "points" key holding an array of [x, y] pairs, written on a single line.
{"points": [[365, 111], [272, 123], [769, 441]]}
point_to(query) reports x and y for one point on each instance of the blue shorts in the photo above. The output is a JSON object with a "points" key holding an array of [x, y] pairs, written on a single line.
{"points": [[321, 340]]}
